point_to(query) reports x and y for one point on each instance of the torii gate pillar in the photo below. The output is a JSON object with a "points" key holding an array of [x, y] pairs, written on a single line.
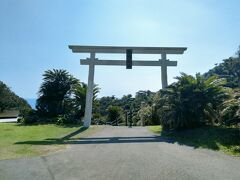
{"points": [[89, 95], [164, 71]]}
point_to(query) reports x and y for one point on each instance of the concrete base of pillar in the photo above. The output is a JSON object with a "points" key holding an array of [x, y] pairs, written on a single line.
{"points": [[86, 123]]}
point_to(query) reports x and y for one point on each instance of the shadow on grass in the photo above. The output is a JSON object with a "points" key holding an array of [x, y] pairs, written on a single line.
{"points": [[52, 141], [39, 124], [210, 137]]}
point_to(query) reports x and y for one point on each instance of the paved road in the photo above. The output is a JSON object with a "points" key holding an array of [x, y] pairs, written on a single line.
{"points": [[123, 153]]}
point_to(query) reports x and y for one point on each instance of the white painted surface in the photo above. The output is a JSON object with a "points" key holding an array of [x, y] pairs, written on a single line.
{"points": [[8, 120], [89, 96], [164, 71], [160, 62], [122, 49]]}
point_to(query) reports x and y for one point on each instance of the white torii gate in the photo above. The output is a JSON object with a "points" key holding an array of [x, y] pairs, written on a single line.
{"points": [[92, 61]]}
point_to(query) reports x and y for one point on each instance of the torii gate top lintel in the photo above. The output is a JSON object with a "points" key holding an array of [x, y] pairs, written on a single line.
{"points": [[128, 50], [122, 49]]}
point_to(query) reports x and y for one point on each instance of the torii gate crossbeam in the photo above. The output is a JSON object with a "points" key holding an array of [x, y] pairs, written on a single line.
{"points": [[92, 61]]}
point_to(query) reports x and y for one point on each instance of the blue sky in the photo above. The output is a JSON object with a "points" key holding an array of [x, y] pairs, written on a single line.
{"points": [[35, 34]]}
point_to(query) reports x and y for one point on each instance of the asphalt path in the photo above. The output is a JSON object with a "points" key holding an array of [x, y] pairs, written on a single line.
{"points": [[121, 153]]}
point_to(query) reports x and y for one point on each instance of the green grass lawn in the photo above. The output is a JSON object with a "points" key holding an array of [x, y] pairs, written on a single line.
{"points": [[223, 139], [24, 141]]}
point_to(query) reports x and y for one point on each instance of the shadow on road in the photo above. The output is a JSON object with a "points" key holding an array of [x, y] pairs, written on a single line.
{"points": [[204, 137], [74, 133], [98, 140]]}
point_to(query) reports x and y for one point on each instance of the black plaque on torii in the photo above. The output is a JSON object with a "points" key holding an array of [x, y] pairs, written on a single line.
{"points": [[129, 59]]}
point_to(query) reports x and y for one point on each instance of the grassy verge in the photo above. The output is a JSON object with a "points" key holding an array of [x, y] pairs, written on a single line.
{"points": [[155, 129], [223, 139], [24, 141]]}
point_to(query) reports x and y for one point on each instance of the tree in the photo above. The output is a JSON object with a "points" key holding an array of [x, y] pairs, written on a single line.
{"points": [[5, 100], [79, 99], [230, 113], [126, 102], [143, 96], [115, 114], [105, 102], [190, 102], [55, 92], [229, 69], [9, 100], [145, 115]]}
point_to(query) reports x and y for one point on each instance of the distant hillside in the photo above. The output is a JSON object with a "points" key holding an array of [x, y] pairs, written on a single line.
{"points": [[229, 69], [9, 100]]}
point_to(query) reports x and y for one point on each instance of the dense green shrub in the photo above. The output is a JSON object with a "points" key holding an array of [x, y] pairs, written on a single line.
{"points": [[191, 102], [115, 114], [66, 119], [230, 114], [29, 117], [145, 115]]}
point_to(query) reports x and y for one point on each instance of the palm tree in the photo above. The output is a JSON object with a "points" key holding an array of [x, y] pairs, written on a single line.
{"points": [[191, 101], [56, 89], [230, 114], [79, 98]]}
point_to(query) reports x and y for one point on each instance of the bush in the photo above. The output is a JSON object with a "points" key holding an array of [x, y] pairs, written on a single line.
{"points": [[66, 119], [115, 114], [145, 115], [20, 120], [191, 102], [28, 116], [230, 114], [61, 119]]}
